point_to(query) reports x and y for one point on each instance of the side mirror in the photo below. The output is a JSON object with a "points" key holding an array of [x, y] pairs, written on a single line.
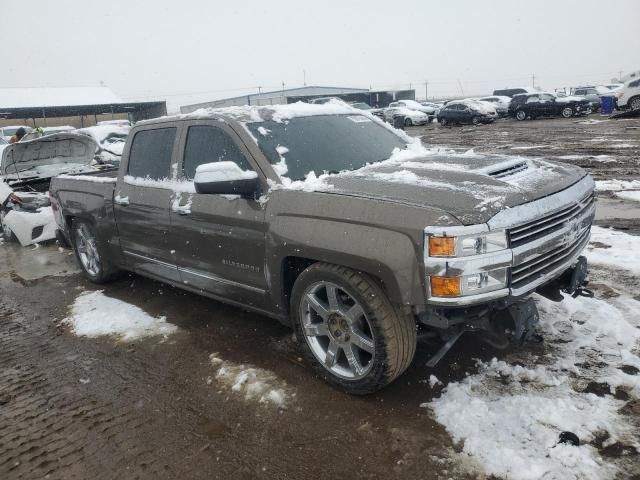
{"points": [[225, 178]]}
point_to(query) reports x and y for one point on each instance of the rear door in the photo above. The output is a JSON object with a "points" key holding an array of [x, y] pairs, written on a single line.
{"points": [[219, 240], [142, 199]]}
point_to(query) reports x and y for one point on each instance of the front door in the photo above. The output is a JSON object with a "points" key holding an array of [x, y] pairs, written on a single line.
{"points": [[142, 203], [219, 240]]}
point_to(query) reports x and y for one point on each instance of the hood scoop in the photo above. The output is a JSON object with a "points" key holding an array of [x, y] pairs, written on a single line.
{"points": [[507, 170]]}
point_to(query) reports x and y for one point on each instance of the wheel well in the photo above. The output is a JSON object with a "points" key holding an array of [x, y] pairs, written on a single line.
{"points": [[292, 267]]}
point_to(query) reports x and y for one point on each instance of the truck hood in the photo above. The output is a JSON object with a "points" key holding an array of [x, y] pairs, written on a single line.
{"points": [[471, 187], [47, 156]]}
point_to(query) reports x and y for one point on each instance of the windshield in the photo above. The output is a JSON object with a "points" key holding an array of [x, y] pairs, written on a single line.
{"points": [[325, 143]]}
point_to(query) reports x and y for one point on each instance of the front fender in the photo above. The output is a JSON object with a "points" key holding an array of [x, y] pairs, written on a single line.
{"points": [[390, 256]]}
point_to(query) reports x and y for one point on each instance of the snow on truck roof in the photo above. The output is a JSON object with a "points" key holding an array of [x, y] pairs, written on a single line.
{"points": [[254, 113]]}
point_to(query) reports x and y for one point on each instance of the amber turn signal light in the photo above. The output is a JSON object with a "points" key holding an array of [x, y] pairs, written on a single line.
{"points": [[442, 246], [445, 286]]}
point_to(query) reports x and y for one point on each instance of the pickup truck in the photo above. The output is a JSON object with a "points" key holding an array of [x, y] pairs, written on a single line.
{"points": [[336, 224]]}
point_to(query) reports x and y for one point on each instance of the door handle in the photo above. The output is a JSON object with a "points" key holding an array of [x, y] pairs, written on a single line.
{"points": [[124, 201]]}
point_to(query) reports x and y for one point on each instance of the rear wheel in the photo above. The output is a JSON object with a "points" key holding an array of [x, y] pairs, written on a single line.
{"points": [[353, 336], [475, 120], [567, 112], [408, 122], [521, 115], [635, 103], [443, 121], [93, 262]]}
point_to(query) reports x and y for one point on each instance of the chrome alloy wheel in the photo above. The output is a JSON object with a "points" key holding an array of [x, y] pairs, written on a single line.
{"points": [[87, 250], [337, 330]]}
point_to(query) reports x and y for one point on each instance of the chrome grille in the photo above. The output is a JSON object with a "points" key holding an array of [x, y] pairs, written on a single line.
{"points": [[530, 231], [531, 271]]}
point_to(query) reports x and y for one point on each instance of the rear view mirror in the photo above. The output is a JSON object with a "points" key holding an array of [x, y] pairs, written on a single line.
{"points": [[225, 178]]}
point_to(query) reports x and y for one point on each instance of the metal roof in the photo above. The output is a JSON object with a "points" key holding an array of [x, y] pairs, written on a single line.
{"points": [[36, 97]]}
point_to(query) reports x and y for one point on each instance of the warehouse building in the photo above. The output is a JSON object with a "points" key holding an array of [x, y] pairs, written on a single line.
{"points": [[306, 94], [75, 106]]}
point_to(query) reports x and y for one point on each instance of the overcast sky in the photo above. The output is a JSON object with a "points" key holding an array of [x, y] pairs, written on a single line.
{"points": [[187, 51]]}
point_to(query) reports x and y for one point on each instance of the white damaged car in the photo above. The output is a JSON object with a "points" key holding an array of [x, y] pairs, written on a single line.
{"points": [[26, 170]]}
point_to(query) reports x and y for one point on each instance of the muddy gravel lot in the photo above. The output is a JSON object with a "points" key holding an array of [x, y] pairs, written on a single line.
{"points": [[211, 391]]}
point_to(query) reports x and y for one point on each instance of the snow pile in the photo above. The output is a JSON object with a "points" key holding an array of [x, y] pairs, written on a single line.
{"points": [[614, 249], [617, 185], [254, 384], [222, 171], [633, 195], [93, 315], [509, 416]]}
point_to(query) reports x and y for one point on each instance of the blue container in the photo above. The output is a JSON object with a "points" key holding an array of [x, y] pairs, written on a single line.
{"points": [[606, 105]]}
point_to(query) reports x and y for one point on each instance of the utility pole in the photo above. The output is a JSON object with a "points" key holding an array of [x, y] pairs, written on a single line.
{"points": [[426, 90], [533, 80], [282, 87], [304, 77], [619, 74]]}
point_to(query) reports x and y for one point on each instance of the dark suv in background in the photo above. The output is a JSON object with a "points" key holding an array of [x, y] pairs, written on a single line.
{"points": [[544, 104]]}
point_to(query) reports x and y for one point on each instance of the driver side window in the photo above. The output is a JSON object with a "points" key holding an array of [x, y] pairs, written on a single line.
{"points": [[207, 144]]}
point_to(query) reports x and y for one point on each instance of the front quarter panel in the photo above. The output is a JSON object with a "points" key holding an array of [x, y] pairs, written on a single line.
{"points": [[383, 239]]}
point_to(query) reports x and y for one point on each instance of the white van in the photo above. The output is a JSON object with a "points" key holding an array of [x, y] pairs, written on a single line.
{"points": [[630, 95]]}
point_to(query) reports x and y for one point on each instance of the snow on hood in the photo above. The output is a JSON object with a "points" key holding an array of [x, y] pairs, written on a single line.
{"points": [[420, 176], [408, 112], [569, 98], [47, 156]]}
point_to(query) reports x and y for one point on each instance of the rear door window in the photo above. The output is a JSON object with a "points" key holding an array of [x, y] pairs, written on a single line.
{"points": [[151, 151], [207, 144]]}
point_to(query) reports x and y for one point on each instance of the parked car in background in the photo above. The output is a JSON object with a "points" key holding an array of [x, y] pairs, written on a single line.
{"points": [[411, 117], [510, 92], [500, 102], [8, 132], [546, 104], [26, 169], [593, 94], [110, 140], [360, 105], [323, 100], [413, 105], [467, 112], [118, 123], [629, 98]]}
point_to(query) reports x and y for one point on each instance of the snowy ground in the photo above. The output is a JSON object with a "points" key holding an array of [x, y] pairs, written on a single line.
{"points": [[509, 414]]}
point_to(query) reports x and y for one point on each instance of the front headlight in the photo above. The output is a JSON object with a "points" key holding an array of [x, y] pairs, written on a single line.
{"points": [[465, 245], [465, 261]]}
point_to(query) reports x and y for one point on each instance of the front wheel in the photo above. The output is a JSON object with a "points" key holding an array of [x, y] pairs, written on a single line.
{"points": [[408, 122], [521, 115], [567, 112], [93, 262], [634, 104], [475, 120], [349, 331], [443, 121]]}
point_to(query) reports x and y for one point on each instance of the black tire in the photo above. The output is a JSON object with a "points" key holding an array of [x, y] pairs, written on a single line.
{"points": [[393, 331], [408, 122], [634, 103], [443, 121], [520, 115], [105, 271], [567, 112], [475, 120]]}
